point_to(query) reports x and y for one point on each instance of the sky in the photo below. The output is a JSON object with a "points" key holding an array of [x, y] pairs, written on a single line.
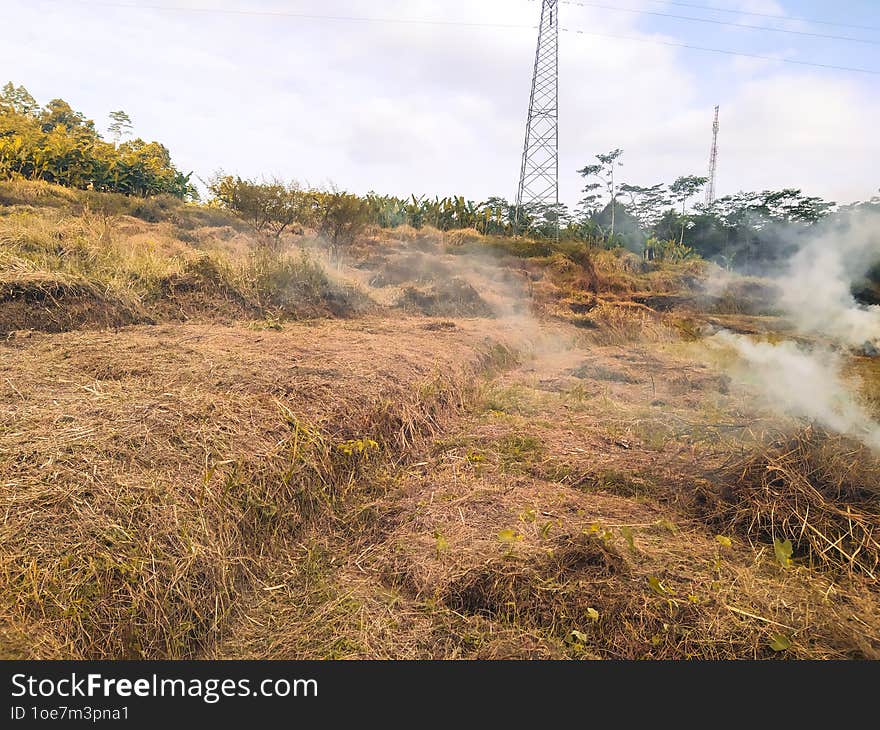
{"points": [[438, 109]]}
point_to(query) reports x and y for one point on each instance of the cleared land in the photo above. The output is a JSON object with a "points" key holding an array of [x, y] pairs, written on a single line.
{"points": [[443, 446]]}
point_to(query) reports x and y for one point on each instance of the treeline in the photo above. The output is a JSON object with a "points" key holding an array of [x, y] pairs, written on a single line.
{"points": [[273, 207], [746, 231], [57, 144], [749, 231]]}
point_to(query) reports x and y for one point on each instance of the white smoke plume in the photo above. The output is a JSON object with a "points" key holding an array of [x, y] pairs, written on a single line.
{"points": [[815, 294], [816, 290], [803, 383]]}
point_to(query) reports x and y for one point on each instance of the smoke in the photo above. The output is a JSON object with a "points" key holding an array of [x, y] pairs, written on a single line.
{"points": [[816, 289], [815, 294], [803, 383]]}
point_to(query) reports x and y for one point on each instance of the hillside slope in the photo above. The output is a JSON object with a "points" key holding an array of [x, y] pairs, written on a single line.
{"points": [[439, 446]]}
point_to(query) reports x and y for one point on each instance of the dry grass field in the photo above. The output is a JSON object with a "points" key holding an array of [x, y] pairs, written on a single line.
{"points": [[433, 448]]}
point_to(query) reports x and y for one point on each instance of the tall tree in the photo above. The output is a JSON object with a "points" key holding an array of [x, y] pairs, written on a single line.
{"points": [[120, 126], [603, 171], [17, 100], [682, 190], [646, 204]]}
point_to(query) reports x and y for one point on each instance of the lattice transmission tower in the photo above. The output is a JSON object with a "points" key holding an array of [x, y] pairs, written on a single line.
{"points": [[713, 161], [539, 173]]}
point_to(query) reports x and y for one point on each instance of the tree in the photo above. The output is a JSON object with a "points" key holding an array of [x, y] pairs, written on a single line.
{"points": [[58, 113], [17, 100], [342, 217], [604, 172], [269, 207], [646, 203], [58, 144], [120, 126], [682, 190]]}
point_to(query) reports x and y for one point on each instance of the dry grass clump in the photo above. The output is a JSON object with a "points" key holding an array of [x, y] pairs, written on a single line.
{"points": [[554, 590], [20, 195], [297, 285], [59, 302], [463, 237], [21, 192], [204, 287], [739, 295], [425, 239], [413, 268], [449, 298], [584, 596], [623, 323], [114, 269], [819, 490]]}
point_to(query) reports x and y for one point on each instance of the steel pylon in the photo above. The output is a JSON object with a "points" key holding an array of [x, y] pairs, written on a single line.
{"points": [[539, 172]]}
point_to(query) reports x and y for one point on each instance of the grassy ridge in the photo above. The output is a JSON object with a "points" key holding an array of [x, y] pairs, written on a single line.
{"points": [[131, 260]]}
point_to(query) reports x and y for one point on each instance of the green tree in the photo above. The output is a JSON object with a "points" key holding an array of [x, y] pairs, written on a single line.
{"points": [[682, 190], [58, 144], [17, 100], [269, 207], [646, 204], [120, 126], [342, 217], [603, 171]]}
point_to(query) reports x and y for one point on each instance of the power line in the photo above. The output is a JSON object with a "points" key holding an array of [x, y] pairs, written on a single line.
{"points": [[729, 23], [728, 53], [303, 16], [775, 16], [449, 23]]}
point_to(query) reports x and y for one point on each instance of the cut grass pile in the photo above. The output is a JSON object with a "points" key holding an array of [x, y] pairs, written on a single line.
{"points": [[450, 298], [813, 492]]}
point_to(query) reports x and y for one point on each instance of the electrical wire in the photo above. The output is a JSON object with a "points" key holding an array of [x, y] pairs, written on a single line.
{"points": [[774, 16], [729, 23], [449, 23], [726, 52]]}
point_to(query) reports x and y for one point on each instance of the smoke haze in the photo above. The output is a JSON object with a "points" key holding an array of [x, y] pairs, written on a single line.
{"points": [[815, 294], [803, 383], [816, 290]]}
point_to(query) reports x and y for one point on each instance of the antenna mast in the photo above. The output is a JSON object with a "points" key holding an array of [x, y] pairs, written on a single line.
{"points": [[539, 172], [713, 161]]}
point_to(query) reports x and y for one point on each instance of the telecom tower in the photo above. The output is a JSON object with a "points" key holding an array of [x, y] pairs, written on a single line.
{"points": [[713, 162], [539, 173]]}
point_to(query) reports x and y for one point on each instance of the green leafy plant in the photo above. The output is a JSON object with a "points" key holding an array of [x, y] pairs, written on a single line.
{"points": [[783, 551], [780, 642], [509, 537], [441, 542]]}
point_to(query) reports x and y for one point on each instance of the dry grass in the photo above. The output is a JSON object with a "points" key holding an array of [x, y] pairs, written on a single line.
{"points": [[450, 298], [96, 270], [818, 490], [622, 323], [549, 524], [153, 473], [354, 489], [61, 302]]}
